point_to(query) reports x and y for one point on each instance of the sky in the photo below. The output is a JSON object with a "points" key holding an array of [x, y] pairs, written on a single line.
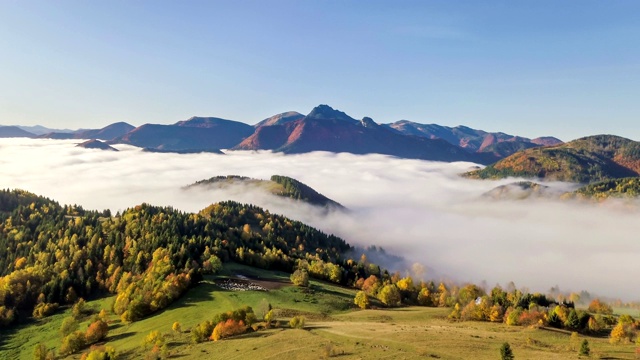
{"points": [[421, 210], [562, 68]]}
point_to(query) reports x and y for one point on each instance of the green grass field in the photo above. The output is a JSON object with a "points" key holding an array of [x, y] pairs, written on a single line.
{"points": [[334, 327]]}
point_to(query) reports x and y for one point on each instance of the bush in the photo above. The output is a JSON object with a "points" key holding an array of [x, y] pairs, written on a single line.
{"points": [[297, 322], [227, 329], [300, 278], [100, 353], [72, 343], [584, 348], [68, 326], [97, 331], [361, 300], [44, 309], [176, 327]]}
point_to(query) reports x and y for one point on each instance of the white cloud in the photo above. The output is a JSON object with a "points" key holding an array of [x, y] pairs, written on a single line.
{"points": [[418, 209]]}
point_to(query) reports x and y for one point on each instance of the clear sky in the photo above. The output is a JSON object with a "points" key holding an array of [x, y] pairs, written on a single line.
{"points": [[531, 68]]}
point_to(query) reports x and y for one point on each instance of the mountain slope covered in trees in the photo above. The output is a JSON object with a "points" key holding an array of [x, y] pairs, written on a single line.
{"points": [[147, 255], [277, 185], [586, 160]]}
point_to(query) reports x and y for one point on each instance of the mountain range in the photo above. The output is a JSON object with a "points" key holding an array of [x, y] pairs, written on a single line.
{"points": [[323, 129]]}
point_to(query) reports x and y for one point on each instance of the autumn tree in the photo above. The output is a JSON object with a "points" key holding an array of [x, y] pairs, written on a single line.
{"points": [[297, 322], [598, 307], [176, 327], [390, 296], [361, 300], [300, 278], [68, 326], [97, 331]]}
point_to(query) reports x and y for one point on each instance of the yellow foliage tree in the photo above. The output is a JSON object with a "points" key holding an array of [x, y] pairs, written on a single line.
{"points": [[362, 300]]}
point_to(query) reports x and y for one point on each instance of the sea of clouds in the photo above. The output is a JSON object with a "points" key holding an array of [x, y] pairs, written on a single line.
{"points": [[421, 210]]}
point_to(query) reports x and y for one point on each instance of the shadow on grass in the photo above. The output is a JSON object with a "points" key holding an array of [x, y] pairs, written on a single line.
{"points": [[315, 327], [120, 336]]}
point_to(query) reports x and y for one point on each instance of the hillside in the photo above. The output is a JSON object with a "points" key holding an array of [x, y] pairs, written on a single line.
{"points": [[586, 160], [96, 144], [327, 129], [278, 185], [615, 188], [197, 133], [13, 132], [519, 191]]}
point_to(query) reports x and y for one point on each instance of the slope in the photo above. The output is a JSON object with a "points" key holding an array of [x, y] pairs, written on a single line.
{"points": [[586, 160]]}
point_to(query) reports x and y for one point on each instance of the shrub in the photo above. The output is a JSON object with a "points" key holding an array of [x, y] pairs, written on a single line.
{"points": [[72, 343], [227, 329], [300, 278], [68, 326], [44, 309], [297, 322], [97, 331], [361, 300], [176, 327], [584, 348], [505, 352]]}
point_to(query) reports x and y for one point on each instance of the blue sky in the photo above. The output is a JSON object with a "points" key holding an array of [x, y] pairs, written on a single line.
{"points": [[532, 68]]}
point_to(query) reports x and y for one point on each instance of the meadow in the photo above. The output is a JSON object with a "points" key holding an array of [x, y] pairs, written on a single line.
{"points": [[334, 328]]}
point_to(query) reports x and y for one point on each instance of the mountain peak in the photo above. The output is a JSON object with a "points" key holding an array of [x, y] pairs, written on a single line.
{"points": [[322, 112], [368, 122]]}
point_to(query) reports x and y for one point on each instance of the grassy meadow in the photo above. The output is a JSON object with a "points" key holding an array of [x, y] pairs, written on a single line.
{"points": [[334, 328]]}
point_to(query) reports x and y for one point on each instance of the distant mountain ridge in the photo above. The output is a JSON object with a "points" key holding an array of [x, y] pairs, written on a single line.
{"points": [[108, 132], [497, 144], [14, 132]]}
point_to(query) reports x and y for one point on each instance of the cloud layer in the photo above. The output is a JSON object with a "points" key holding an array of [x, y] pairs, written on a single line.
{"points": [[417, 209]]}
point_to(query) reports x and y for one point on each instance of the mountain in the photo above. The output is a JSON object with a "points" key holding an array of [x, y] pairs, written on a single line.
{"points": [[96, 144], [519, 191], [41, 130], [106, 133], [585, 160], [13, 132], [196, 133], [280, 119], [495, 145], [278, 185], [326, 129]]}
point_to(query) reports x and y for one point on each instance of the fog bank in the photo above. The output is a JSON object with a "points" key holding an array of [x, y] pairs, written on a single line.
{"points": [[417, 209]]}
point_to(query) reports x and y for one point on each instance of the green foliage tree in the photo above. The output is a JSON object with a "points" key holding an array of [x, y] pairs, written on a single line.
{"points": [[72, 343], [584, 348], [69, 325], [572, 323], [262, 309], [505, 352], [79, 309], [40, 352]]}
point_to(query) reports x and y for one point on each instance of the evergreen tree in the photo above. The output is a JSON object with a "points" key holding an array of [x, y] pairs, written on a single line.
{"points": [[505, 352], [584, 348]]}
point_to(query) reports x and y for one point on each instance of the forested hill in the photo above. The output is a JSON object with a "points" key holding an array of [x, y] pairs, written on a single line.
{"points": [[586, 160], [616, 188], [278, 185], [148, 255]]}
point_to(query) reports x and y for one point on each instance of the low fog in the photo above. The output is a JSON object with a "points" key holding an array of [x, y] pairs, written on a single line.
{"points": [[417, 209]]}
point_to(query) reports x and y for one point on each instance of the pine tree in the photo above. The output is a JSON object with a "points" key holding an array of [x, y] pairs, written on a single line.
{"points": [[505, 352], [584, 348]]}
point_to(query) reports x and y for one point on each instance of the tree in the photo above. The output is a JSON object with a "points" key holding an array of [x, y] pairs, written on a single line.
{"points": [[176, 327], [598, 307], [40, 352], [362, 300], [505, 352], [573, 322], [268, 318], [390, 296], [300, 278], [97, 331], [297, 322], [262, 309], [68, 326], [584, 348], [79, 308]]}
